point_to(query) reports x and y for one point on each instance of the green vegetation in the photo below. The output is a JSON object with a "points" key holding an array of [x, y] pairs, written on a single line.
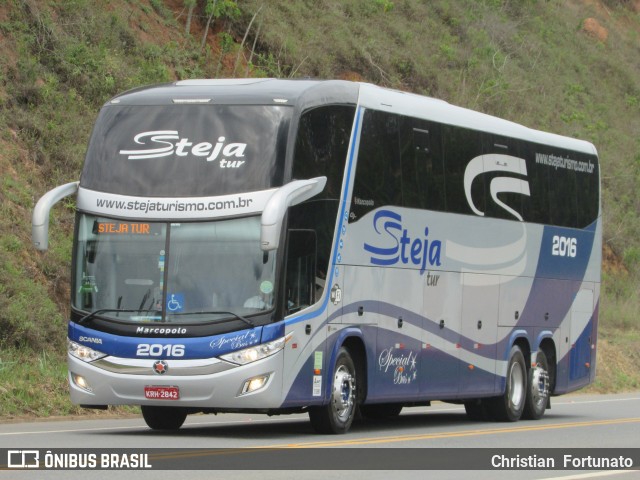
{"points": [[529, 61], [34, 383]]}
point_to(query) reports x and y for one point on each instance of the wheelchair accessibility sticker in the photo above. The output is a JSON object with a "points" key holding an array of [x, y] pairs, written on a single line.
{"points": [[175, 302]]}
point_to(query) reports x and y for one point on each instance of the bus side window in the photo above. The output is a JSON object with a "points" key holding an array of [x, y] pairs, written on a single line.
{"points": [[536, 207], [321, 146], [563, 202], [510, 195], [460, 146], [587, 191], [378, 180], [300, 270], [422, 167]]}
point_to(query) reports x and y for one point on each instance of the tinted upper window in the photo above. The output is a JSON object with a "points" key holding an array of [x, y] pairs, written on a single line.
{"points": [[564, 187], [504, 176], [399, 163], [187, 150], [322, 144], [321, 149], [378, 179], [415, 163], [460, 147]]}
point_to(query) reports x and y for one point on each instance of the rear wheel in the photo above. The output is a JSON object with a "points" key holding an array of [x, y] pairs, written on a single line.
{"points": [[538, 389], [164, 418], [509, 407], [337, 416]]}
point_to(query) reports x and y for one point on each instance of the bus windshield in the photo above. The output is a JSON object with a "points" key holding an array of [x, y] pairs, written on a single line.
{"points": [[196, 272]]}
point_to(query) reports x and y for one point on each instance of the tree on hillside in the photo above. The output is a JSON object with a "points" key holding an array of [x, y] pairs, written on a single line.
{"points": [[244, 39], [216, 9], [191, 5]]}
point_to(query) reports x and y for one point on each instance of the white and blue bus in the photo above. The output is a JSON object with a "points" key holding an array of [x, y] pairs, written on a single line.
{"points": [[330, 247]]}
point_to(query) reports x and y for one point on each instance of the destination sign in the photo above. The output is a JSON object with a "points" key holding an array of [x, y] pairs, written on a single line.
{"points": [[122, 228]]}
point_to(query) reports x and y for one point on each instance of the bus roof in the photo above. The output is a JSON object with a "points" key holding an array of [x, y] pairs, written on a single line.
{"points": [[306, 93], [403, 103], [248, 91]]}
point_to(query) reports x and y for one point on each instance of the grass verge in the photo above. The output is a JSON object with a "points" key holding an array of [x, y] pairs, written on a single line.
{"points": [[36, 385]]}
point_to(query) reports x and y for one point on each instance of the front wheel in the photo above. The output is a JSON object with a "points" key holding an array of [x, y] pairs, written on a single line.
{"points": [[509, 407], [537, 389], [164, 418], [337, 416]]}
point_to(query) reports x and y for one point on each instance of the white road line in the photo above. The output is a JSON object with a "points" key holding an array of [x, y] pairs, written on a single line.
{"points": [[573, 402]]}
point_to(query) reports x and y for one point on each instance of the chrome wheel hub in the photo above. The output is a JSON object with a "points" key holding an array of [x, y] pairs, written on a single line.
{"points": [[539, 385], [344, 389]]}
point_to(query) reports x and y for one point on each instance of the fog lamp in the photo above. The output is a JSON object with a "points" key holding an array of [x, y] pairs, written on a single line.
{"points": [[81, 382], [255, 383]]}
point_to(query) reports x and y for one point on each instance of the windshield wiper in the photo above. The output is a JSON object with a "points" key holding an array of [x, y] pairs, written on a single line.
{"points": [[122, 310], [109, 310], [219, 312]]}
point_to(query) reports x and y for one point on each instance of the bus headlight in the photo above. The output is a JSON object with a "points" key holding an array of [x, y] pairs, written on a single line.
{"points": [[83, 353], [252, 354]]}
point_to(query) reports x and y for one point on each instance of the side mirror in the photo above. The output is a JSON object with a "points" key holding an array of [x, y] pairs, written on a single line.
{"points": [[40, 217], [290, 194]]}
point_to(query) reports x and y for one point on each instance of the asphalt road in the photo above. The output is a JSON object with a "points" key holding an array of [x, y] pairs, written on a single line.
{"points": [[576, 421]]}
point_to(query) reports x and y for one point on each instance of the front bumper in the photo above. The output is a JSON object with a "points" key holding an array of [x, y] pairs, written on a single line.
{"points": [[209, 383]]}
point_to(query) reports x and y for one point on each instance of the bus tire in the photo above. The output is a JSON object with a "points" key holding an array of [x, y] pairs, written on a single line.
{"points": [[381, 410], [337, 416], [509, 406], [537, 389], [163, 418]]}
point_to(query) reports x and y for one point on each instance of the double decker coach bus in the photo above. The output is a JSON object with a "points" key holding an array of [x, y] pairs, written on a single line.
{"points": [[282, 246]]}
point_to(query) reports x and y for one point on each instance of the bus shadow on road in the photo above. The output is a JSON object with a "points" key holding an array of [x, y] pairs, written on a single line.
{"points": [[298, 429]]}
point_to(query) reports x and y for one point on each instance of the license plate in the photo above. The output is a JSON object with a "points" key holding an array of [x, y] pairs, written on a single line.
{"points": [[161, 393]]}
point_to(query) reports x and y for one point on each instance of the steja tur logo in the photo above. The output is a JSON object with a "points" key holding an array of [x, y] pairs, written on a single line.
{"points": [[164, 143]]}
